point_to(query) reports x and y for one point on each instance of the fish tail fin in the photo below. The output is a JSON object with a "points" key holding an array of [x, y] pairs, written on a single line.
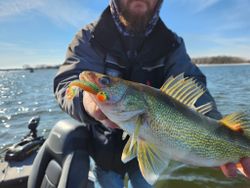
{"points": [[238, 122]]}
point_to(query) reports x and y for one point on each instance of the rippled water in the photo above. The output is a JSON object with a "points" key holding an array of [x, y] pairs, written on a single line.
{"points": [[24, 94]]}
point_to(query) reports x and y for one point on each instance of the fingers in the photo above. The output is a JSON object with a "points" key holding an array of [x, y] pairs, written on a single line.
{"points": [[229, 170], [109, 124], [94, 111], [245, 163], [91, 108], [98, 114]]}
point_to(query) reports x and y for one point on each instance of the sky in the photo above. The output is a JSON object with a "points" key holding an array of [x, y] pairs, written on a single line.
{"points": [[38, 32]]}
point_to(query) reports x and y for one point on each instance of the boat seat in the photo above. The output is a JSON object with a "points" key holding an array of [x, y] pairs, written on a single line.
{"points": [[62, 161]]}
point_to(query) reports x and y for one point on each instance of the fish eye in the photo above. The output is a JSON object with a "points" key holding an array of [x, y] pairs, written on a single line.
{"points": [[104, 80]]}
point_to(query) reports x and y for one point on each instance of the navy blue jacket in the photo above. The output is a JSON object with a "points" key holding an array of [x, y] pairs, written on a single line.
{"points": [[150, 60]]}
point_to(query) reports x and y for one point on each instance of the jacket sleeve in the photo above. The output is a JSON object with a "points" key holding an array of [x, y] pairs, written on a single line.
{"points": [[80, 56], [180, 62]]}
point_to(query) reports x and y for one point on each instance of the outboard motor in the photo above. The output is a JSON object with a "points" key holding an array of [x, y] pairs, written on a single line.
{"points": [[28, 144]]}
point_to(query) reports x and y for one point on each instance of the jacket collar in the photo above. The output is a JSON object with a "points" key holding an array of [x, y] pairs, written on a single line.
{"points": [[160, 42]]}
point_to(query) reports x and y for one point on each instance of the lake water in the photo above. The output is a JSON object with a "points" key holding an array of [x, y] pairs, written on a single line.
{"points": [[24, 94]]}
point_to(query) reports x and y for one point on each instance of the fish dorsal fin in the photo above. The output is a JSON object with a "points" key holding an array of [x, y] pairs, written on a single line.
{"points": [[187, 91], [203, 109], [237, 122]]}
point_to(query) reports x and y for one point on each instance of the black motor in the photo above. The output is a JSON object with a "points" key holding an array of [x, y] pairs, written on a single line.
{"points": [[28, 144]]}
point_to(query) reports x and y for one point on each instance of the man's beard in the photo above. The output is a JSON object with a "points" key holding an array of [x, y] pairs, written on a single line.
{"points": [[134, 22]]}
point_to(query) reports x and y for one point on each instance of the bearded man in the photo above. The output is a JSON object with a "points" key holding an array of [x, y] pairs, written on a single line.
{"points": [[132, 42]]}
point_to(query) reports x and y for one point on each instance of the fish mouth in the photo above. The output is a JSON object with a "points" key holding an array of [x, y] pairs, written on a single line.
{"points": [[92, 85]]}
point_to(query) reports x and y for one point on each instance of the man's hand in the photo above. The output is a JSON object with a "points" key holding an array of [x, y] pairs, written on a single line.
{"points": [[230, 169], [94, 111]]}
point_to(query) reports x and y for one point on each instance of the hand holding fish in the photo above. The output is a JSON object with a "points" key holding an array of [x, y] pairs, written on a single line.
{"points": [[94, 111], [230, 169]]}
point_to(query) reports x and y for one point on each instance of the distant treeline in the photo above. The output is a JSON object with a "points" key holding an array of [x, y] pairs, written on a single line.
{"points": [[40, 67], [31, 68], [219, 60], [201, 60]]}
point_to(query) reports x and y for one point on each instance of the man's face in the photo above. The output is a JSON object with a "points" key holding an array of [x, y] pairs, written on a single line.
{"points": [[135, 14], [139, 7]]}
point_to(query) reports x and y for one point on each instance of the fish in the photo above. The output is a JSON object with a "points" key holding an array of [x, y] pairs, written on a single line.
{"points": [[165, 124]]}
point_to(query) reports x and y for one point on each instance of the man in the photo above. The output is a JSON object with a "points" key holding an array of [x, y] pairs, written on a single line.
{"points": [[132, 42]]}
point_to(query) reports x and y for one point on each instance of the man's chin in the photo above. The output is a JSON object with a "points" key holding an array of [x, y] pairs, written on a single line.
{"points": [[138, 8], [139, 14]]}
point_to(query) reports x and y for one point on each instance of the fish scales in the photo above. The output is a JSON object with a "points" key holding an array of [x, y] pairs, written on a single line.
{"points": [[171, 127]]}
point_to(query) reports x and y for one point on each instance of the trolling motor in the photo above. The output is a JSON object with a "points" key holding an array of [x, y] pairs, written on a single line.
{"points": [[33, 124], [28, 144]]}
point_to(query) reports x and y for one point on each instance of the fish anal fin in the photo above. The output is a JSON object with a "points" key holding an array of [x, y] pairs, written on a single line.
{"points": [[238, 122], [152, 161], [187, 91]]}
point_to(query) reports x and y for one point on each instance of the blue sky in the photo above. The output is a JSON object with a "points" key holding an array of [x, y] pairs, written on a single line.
{"points": [[38, 32]]}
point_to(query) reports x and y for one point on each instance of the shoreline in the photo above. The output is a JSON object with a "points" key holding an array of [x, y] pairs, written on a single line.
{"points": [[198, 65], [24, 69], [222, 64]]}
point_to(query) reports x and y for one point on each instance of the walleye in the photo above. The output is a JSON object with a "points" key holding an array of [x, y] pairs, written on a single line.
{"points": [[165, 124]]}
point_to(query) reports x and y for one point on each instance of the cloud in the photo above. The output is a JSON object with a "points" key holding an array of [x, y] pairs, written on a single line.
{"points": [[216, 44], [74, 13], [15, 7], [196, 6], [202, 5], [236, 16], [68, 12], [26, 54], [24, 49], [224, 29]]}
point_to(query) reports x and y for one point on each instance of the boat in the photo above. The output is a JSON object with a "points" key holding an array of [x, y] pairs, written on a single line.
{"points": [[17, 162], [36, 161]]}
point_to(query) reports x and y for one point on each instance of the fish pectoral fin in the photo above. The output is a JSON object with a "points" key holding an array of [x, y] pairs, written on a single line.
{"points": [[237, 122], [129, 151], [138, 123], [152, 161]]}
